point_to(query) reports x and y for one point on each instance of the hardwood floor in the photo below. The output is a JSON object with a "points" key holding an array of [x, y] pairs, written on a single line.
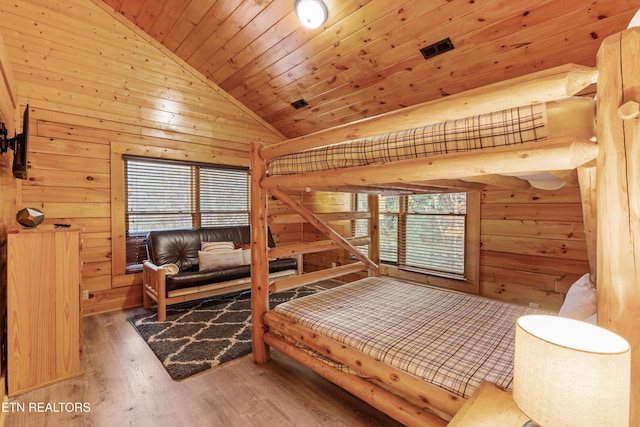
{"points": [[125, 385]]}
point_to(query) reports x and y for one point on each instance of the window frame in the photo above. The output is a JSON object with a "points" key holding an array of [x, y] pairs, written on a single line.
{"points": [[470, 281]]}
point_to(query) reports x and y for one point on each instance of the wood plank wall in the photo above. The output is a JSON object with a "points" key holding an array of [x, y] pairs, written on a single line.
{"points": [[9, 117], [532, 243], [99, 88]]}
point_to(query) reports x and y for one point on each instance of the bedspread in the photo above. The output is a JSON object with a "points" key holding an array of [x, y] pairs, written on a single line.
{"points": [[450, 339]]}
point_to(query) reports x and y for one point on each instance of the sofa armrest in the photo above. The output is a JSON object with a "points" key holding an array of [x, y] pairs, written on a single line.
{"points": [[154, 287]]}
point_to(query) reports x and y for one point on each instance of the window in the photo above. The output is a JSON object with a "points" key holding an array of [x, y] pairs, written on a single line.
{"points": [[184, 195], [424, 232]]}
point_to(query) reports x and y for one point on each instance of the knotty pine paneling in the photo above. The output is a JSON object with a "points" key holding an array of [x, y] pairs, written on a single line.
{"points": [[322, 202], [365, 59], [532, 245], [99, 88], [285, 233]]}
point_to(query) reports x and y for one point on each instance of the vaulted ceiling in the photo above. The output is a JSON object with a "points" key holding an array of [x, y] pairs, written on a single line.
{"points": [[366, 59]]}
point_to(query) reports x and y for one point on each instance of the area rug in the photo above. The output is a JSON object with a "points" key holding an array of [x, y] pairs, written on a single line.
{"points": [[205, 333]]}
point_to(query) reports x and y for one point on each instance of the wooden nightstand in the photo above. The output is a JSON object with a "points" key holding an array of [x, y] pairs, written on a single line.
{"points": [[489, 406]]}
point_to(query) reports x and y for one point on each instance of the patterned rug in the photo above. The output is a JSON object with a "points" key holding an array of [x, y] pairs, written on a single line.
{"points": [[201, 334]]}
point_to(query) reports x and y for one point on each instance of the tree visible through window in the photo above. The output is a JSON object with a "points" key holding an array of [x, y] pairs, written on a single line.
{"points": [[164, 194]]}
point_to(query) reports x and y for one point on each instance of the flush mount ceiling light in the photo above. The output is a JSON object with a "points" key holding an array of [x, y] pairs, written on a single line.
{"points": [[312, 13]]}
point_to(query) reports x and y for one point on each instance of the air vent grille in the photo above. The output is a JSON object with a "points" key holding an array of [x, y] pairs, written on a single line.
{"points": [[299, 104], [437, 48]]}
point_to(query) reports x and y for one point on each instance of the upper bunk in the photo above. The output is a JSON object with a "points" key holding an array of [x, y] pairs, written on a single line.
{"points": [[528, 131]]}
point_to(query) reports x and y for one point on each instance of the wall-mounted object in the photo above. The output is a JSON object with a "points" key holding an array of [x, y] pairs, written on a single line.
{"points": [[19, 145], [30, 217]]}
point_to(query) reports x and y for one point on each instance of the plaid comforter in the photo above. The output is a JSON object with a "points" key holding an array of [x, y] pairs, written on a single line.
{"points": [[502, 128], [450, 339]]}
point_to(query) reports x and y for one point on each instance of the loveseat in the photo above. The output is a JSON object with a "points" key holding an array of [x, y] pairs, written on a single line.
{"points": [[188, 264]]}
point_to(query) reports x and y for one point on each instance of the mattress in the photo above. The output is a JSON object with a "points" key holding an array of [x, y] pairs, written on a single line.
{"points": [[453, 340], [572, 117]]}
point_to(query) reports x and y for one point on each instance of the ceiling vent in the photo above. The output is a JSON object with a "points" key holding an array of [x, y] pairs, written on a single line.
{"points": [[437, 48], [299, 104]]}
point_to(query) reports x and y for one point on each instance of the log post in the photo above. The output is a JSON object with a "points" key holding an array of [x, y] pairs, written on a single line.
{"points": [[618, 197], [374, 232], [587, 180], [259, 260]]}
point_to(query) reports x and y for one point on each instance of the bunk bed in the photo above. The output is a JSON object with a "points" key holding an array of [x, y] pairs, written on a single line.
{"points": [[409, 156]]}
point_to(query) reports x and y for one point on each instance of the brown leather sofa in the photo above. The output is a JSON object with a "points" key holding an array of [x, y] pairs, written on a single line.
{"points": [[170, 250]]}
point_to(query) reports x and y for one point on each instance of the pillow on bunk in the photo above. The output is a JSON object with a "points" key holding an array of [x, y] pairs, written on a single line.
{"points": [[216, 246], [593, 319], [580, 302], [219, 259]]}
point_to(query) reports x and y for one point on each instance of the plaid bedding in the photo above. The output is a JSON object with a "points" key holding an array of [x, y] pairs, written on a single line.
{"points": [[450, 339], [507, 127]]}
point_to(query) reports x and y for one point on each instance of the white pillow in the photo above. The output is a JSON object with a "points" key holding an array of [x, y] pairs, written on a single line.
{"points": [[246, 256], [219, 259], [580, 301], [216, 246], [593, 319]]}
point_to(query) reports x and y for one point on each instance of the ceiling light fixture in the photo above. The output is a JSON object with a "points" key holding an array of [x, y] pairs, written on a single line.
{"points": [[311, 13]]}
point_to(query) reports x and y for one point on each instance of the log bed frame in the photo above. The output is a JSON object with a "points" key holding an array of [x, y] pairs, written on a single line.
{"points": [[609, 177]]}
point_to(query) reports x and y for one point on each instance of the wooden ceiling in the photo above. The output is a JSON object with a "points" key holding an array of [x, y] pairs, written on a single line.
{"points": [[366, 59]]}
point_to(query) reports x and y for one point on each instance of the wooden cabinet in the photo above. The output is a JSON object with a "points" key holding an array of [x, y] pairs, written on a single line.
{"points": [[43, 306]]}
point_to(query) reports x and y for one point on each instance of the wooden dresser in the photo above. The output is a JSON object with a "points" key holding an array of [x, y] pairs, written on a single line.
{"points": [[43, 306]]}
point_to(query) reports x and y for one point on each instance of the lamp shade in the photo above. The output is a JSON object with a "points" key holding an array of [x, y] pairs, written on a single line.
{"points": [[571, 373], [311, 13]]}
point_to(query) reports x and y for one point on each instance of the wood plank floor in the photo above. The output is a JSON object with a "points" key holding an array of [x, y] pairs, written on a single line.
{"points": [[125, 385]]}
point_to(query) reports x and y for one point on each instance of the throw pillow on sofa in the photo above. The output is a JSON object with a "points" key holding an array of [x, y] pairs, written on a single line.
{"points": [[216, 246], [219, 259]]}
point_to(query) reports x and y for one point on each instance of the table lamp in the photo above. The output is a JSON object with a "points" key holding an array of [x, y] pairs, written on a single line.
{"points": [[570, 373]]}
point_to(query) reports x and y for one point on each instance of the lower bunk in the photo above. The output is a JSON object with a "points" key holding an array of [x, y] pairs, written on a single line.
{"points": [[413, 351]]}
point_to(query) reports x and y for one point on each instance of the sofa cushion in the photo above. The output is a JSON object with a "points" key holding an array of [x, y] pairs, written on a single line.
{"points": [[179, 247]]}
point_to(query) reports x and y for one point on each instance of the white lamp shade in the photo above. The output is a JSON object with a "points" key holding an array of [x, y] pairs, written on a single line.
{"points": [[312, 13], [571, 373]]}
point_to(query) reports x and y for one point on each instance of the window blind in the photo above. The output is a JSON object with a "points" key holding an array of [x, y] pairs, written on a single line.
{"points": [[224, 197], [159, 196]]}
